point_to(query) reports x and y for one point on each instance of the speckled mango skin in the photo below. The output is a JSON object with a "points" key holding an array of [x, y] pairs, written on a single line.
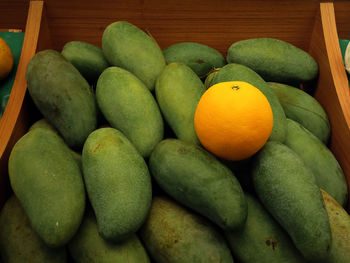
{"points": [[19, 242], [200, 58], [317, 156], [262, 239], [118, 183], [274, 59], [237, 72], [127, 46], [196, 179], [173, 234], [49, 185], [130, 107], [304, 109], [87, 58], [62, 95], [178, 91], [88, 246], [288, 190], [340, 226]]}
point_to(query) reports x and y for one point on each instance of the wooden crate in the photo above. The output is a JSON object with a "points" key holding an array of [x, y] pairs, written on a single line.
{"points": [[310, 25]]}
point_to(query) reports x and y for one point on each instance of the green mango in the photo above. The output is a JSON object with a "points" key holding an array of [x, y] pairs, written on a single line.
{"points": [[262, 239], [118, 183], [173, 234], [178, 91], [87, 58], [88, 246], [237, 72], [303, 108], [49, 185], [196, 179], [43, 123], [62, 95], [274, 59], [325, 167], [200, 58], [288, 190], [127, 46], [340, 226], [19, 242], [130, 107]]}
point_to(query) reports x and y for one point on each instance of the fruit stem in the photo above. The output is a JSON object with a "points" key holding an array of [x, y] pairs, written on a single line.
{"points": [[235, 87]]}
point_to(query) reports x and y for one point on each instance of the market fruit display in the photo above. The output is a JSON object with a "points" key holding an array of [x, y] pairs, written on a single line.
{"points": [[146, 153], [6, 59]]}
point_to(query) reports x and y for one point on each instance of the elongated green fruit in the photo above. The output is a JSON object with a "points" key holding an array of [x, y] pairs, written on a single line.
{"points": [[262, 239], [173, 234], [340, 226], [200, 58], [304, 109], [130, 107], [237, 72], [196, 179], [89, 246], [178, 91], [288, 189], [87, 58], [49, 185], [319, 159], [117, 182], [44, 124], [127, 46], [274, 59], [19, 242], [62, 95]]}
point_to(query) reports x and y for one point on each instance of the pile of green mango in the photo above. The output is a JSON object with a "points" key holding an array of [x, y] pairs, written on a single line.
{"points": [[114, 171]]}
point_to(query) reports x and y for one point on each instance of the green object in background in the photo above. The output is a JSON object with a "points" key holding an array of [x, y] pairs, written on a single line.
{"points": [[15, 42], [343, 43]]}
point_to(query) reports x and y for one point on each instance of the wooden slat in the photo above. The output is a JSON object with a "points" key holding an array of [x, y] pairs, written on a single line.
{"points": [[14, 122], [13, 13], [333, 90], [215, 23]]}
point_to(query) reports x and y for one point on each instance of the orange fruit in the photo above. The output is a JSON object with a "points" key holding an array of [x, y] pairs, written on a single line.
{"points": [[233, 120], [6, 59]]}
